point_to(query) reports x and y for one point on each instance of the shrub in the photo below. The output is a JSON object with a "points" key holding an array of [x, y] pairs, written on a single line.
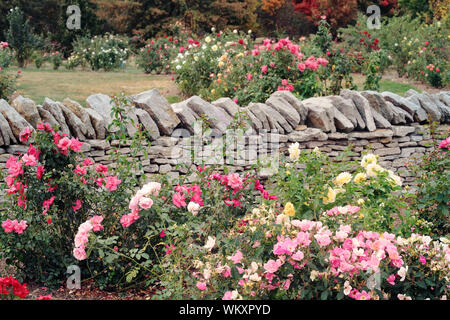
{"points": [[229, 64], [10, 289], [157, 54], [433, 189], [6, 55], [49, 194], [185, 214], [8, 83], [274, 256], [20, 36], [336, 75], [56, 58], [317, 187], [106, 52]]}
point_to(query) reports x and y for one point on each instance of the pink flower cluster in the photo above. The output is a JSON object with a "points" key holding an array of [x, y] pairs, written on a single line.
{"points": [[343, 210], [14, 225], [234, 182], [445, 143], [140, 201], [82, 236], [183, 192]]}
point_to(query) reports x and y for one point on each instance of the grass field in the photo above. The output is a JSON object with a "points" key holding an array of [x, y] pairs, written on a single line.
{"points": [[37, 84]]}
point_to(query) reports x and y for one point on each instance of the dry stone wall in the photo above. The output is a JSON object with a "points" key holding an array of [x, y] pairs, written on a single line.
{"points": [[385, 123]]}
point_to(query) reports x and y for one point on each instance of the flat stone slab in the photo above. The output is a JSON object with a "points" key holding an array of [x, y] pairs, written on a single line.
{"points": [[159, 109], [379, 133], [148, 123], [294, 102], [16, 122], [102, 104], [414, 109], [27, 109], [307, 135], [55, 109], [81, 113], [363, 106]]}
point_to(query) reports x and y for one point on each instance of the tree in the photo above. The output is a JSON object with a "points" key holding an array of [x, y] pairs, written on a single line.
{"points": [[338, 12], [20, 36]]}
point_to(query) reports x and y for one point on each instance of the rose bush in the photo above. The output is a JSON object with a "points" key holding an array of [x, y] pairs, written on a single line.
{"points": [[106, 52], [433, 190], [165, 220], [230, 65], [277, 257], [50, 192]]}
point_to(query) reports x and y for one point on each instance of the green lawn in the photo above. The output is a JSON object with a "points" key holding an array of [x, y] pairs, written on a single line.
{"points": [[37, 84]]}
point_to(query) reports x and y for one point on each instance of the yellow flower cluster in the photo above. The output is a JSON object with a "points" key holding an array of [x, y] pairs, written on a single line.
{"points": [[289, 209]]}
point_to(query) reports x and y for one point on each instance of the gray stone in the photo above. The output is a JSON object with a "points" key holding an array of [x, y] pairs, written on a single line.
{"points": [[445, 98], [276, 119], [228, 105], [409, 105], [319, 116], [379, 133], [402, 131], [165, 141], [337, 136], [98, 122], [81, 113], [349, 110], [307, 135], [165, 168], [99, 144], [257, 125], [285, 109], [102, 104], [380, 121], [429, 106], [55, 109], [220, 120], [133, 122], [27, 109], [257, 111], [378, 103], [294, 102], [159, 109], [410, 92], [16, 149], [75, 124], [363, 106], [6, 132], [186, 115], [387, 151], [400, 115], [47, 117], [16, 122], [445, 111]]}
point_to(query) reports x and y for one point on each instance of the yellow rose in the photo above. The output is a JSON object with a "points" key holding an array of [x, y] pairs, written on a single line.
{"points": [[289, 209], [331, 196], [373, 169], [294, 151], [360, 177], [220, 64], [343, 178], [368, 159], [288, 173], [361, 201]]}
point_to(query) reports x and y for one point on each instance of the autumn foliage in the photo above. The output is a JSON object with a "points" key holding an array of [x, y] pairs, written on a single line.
{"points": [[338, 12]]}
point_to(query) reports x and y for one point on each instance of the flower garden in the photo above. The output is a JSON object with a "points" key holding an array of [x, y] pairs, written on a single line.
{"points": [[328, 224]]}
